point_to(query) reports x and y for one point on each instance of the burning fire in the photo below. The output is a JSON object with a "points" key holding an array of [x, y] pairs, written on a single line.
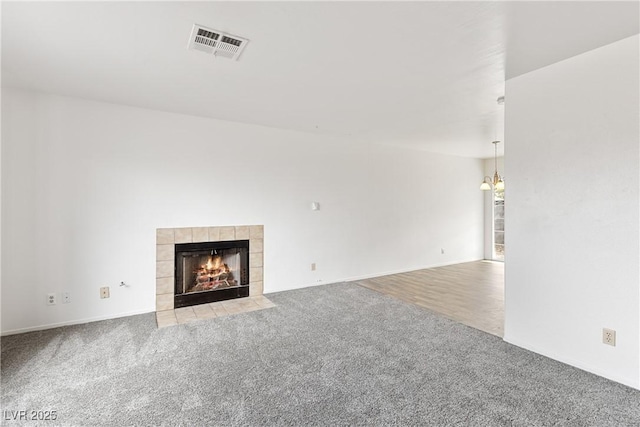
{"points": [[213, 274], [212, 264]]}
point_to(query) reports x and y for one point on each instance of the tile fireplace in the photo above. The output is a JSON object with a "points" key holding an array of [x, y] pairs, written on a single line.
{"points": [[199, 265]]}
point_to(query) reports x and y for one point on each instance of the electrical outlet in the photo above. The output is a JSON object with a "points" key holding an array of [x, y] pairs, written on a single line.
{"points": [[66, 297], [313, 266], [104, 292], [609, 337], [51, 299]]}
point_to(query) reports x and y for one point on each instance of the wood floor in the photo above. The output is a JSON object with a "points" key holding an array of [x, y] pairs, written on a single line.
{"points": [[471, 293]]}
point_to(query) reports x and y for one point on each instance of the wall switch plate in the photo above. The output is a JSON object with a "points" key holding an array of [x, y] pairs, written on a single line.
{"points": [[313, 266], [609, 337], [66, 297], [51, 299], [104, 292]]}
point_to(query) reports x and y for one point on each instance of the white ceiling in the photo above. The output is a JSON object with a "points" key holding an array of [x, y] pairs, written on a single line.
{"points": [[417, 74]]}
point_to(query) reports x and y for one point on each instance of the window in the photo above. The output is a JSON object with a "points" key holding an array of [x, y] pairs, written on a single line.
{"points": [[498, 225]]}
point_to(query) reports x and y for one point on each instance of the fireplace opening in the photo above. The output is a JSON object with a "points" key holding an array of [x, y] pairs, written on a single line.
{"points": [[211, 271]]}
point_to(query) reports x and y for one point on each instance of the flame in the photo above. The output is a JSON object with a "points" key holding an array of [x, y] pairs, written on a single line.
{"points": [[213, 263], [212, 274]]}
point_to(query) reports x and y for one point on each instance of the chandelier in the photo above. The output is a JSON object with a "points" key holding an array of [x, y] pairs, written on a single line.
{"points": [[497, 181]]}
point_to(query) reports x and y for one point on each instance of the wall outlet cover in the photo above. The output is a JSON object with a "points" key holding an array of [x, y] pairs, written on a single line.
{"points": [[609, 337]]}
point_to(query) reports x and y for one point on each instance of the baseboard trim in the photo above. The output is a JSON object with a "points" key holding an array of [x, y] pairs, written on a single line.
{"points": [[136, 312], [572, 362], [387, 273], [370, 276], [74, 322]]}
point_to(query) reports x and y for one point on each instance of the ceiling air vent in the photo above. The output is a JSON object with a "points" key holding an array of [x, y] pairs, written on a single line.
{"points": [[216, 42]]}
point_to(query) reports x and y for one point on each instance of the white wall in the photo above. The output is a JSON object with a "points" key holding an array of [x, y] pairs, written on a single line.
{"points": [[86, 184], [572, 259]]}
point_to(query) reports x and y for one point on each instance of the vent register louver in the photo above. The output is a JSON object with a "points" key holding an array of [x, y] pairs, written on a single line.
{"points": [[216, 42]]}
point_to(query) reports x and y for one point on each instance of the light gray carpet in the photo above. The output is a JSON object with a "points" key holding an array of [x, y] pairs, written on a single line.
{"points": [[330, 355]]}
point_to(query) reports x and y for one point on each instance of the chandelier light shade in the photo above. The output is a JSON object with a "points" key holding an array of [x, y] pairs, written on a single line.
{"points": [[497, 182]]}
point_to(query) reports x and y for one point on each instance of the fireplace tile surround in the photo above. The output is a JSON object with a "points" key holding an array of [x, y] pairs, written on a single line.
{"points": [[166, 238]]}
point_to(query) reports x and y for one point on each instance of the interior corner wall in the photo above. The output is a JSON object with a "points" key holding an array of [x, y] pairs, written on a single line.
{"points": [[572, 235], [85, 185]]}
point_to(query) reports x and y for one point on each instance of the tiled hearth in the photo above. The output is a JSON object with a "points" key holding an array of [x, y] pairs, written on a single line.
{"points": [[166, 238], [212, 310]]}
